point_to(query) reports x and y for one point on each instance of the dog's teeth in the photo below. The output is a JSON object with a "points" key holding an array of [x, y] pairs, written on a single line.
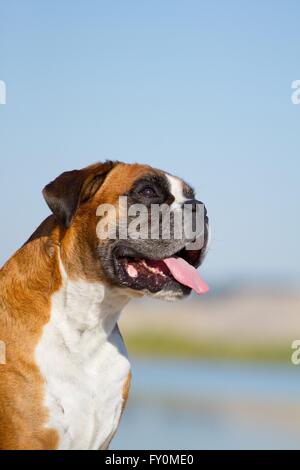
{"points": [[154, 270], [131, 271]]}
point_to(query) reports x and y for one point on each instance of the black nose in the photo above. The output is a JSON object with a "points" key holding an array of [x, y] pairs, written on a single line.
{"points": [[194, 203]]}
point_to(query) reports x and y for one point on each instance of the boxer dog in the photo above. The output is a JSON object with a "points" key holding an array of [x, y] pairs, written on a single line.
{"points": [[66, 377]]}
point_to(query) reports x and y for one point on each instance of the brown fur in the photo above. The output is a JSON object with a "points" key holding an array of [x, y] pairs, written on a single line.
{"points": [[126, 389], [27, 283]]}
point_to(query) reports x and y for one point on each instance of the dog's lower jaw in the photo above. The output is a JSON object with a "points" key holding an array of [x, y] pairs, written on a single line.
{"points": [[168, 296]]}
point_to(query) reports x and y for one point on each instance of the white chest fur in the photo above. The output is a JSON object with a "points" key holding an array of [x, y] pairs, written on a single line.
{"points": [[84, 363]]}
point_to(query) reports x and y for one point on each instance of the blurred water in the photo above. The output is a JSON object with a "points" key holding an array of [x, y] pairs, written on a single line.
{"points": [[211, 405]]}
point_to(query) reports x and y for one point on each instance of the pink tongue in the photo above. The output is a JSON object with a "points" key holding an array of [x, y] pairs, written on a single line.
{"points": [[186, 274]]}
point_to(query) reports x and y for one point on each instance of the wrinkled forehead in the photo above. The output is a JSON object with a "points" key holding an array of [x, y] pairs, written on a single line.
{"points": [[124, 177]]}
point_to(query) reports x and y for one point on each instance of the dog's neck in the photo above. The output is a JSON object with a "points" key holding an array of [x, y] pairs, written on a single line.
{"points": [[87, 307], [46, 270]]}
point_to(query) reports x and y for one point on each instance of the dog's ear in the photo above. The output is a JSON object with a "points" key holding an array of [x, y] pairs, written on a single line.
{"points": [[70, 189]]}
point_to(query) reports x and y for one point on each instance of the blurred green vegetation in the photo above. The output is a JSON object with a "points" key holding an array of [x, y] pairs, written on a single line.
{"points": [[166, 345]]}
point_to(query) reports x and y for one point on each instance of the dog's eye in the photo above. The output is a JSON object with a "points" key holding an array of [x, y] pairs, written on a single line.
{"points": [[148, 192]]}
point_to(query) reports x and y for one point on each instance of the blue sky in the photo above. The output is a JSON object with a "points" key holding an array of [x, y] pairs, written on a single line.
{"points": [[199, 88]]}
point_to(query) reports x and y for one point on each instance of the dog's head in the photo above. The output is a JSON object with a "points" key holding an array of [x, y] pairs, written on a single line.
{"points": [[120, 226]]}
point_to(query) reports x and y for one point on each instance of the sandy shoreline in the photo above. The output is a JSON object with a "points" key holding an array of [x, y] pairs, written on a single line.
{"points": [[248, 318]]}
